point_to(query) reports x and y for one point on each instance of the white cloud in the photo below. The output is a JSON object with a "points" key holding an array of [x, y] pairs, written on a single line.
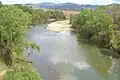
{"points": [[103, 2], [74, 1], [20, 1]]}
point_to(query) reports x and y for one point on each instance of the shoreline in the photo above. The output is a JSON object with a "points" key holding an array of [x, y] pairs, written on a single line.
{"points": [[59, 26]]}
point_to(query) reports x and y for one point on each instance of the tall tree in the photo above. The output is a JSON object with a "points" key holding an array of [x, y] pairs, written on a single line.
{"points": [[13, 25], [0, 4], [97, 27]]}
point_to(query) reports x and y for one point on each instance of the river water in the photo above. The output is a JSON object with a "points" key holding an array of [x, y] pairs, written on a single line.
{"points": [[62, 57]]}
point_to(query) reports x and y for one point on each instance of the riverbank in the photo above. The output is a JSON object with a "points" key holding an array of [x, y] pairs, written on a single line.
{"points": [[2, 73], [3, 70], [59, 26]]}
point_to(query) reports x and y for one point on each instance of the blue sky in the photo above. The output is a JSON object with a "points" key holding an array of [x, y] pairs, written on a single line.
{"points": [[63, 1]]}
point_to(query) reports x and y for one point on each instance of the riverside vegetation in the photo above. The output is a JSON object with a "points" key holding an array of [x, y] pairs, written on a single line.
{"points": [[14, 23], [99, 27]]}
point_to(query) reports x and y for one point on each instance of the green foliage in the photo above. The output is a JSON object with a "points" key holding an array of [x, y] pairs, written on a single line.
{"points": [[21, 71], [38, 16], [72, 17], [55, 14], [96, 27], [114, 11], [13, 26]]}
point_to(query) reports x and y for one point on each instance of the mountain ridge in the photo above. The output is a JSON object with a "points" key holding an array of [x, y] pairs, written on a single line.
{"points": [[62, 6]]}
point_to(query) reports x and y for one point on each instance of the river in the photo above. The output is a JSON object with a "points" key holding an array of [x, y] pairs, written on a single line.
{"points": [[62, 57]]}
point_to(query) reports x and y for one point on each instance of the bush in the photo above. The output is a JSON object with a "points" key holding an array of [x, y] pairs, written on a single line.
{"points": [[21, 71], [13, 26], [55, 14], [97, 27]]}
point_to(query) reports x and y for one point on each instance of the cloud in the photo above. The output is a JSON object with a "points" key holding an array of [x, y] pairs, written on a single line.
{"points": [[92, 1], [116, 0], [103, 2], [20, 1], [62, 1]]}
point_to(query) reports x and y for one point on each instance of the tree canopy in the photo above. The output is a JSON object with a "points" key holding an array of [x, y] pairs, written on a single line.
{"points": [[55, 14], [97, 27], [14, 23], [13, 26]]}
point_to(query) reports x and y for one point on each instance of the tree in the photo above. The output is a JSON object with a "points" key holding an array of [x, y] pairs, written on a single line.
{"points": [[13, 26], [24, 8], [114, 11], [21, 71], [55, 14], [96, 27], [38, 16], [0, 4]]}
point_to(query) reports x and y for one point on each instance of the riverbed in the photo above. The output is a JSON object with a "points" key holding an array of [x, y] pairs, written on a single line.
{"points": [[62, 57]]}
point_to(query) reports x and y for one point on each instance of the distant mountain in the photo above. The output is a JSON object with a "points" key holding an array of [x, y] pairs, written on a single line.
{"points": [[64, 6]]}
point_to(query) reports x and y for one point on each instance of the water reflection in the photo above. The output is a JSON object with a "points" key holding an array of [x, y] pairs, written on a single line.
{"points": [[62, 58], [98, 62]]}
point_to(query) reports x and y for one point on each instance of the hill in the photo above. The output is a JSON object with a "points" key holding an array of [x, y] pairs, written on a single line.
{"points": [[62, 6]]}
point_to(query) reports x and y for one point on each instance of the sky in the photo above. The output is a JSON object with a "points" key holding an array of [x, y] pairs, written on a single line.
{"points": [[98, 2]]}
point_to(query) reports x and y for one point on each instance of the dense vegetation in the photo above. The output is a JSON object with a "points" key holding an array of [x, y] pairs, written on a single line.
{"points": [[40, 16], [14, 23], [99, 27], [13, 26], [114, 10], [55, 14], [20, 72]]}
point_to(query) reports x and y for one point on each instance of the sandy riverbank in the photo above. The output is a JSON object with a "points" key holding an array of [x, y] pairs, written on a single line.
{"points": [[2, 74], [59, 26]]}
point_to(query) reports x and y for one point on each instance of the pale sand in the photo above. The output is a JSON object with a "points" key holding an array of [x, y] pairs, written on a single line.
{"points": [[3, 69], [59, 26], [2, 74]]}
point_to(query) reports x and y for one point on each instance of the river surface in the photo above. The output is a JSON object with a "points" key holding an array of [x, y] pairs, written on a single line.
{"points": [[62, 57]]}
